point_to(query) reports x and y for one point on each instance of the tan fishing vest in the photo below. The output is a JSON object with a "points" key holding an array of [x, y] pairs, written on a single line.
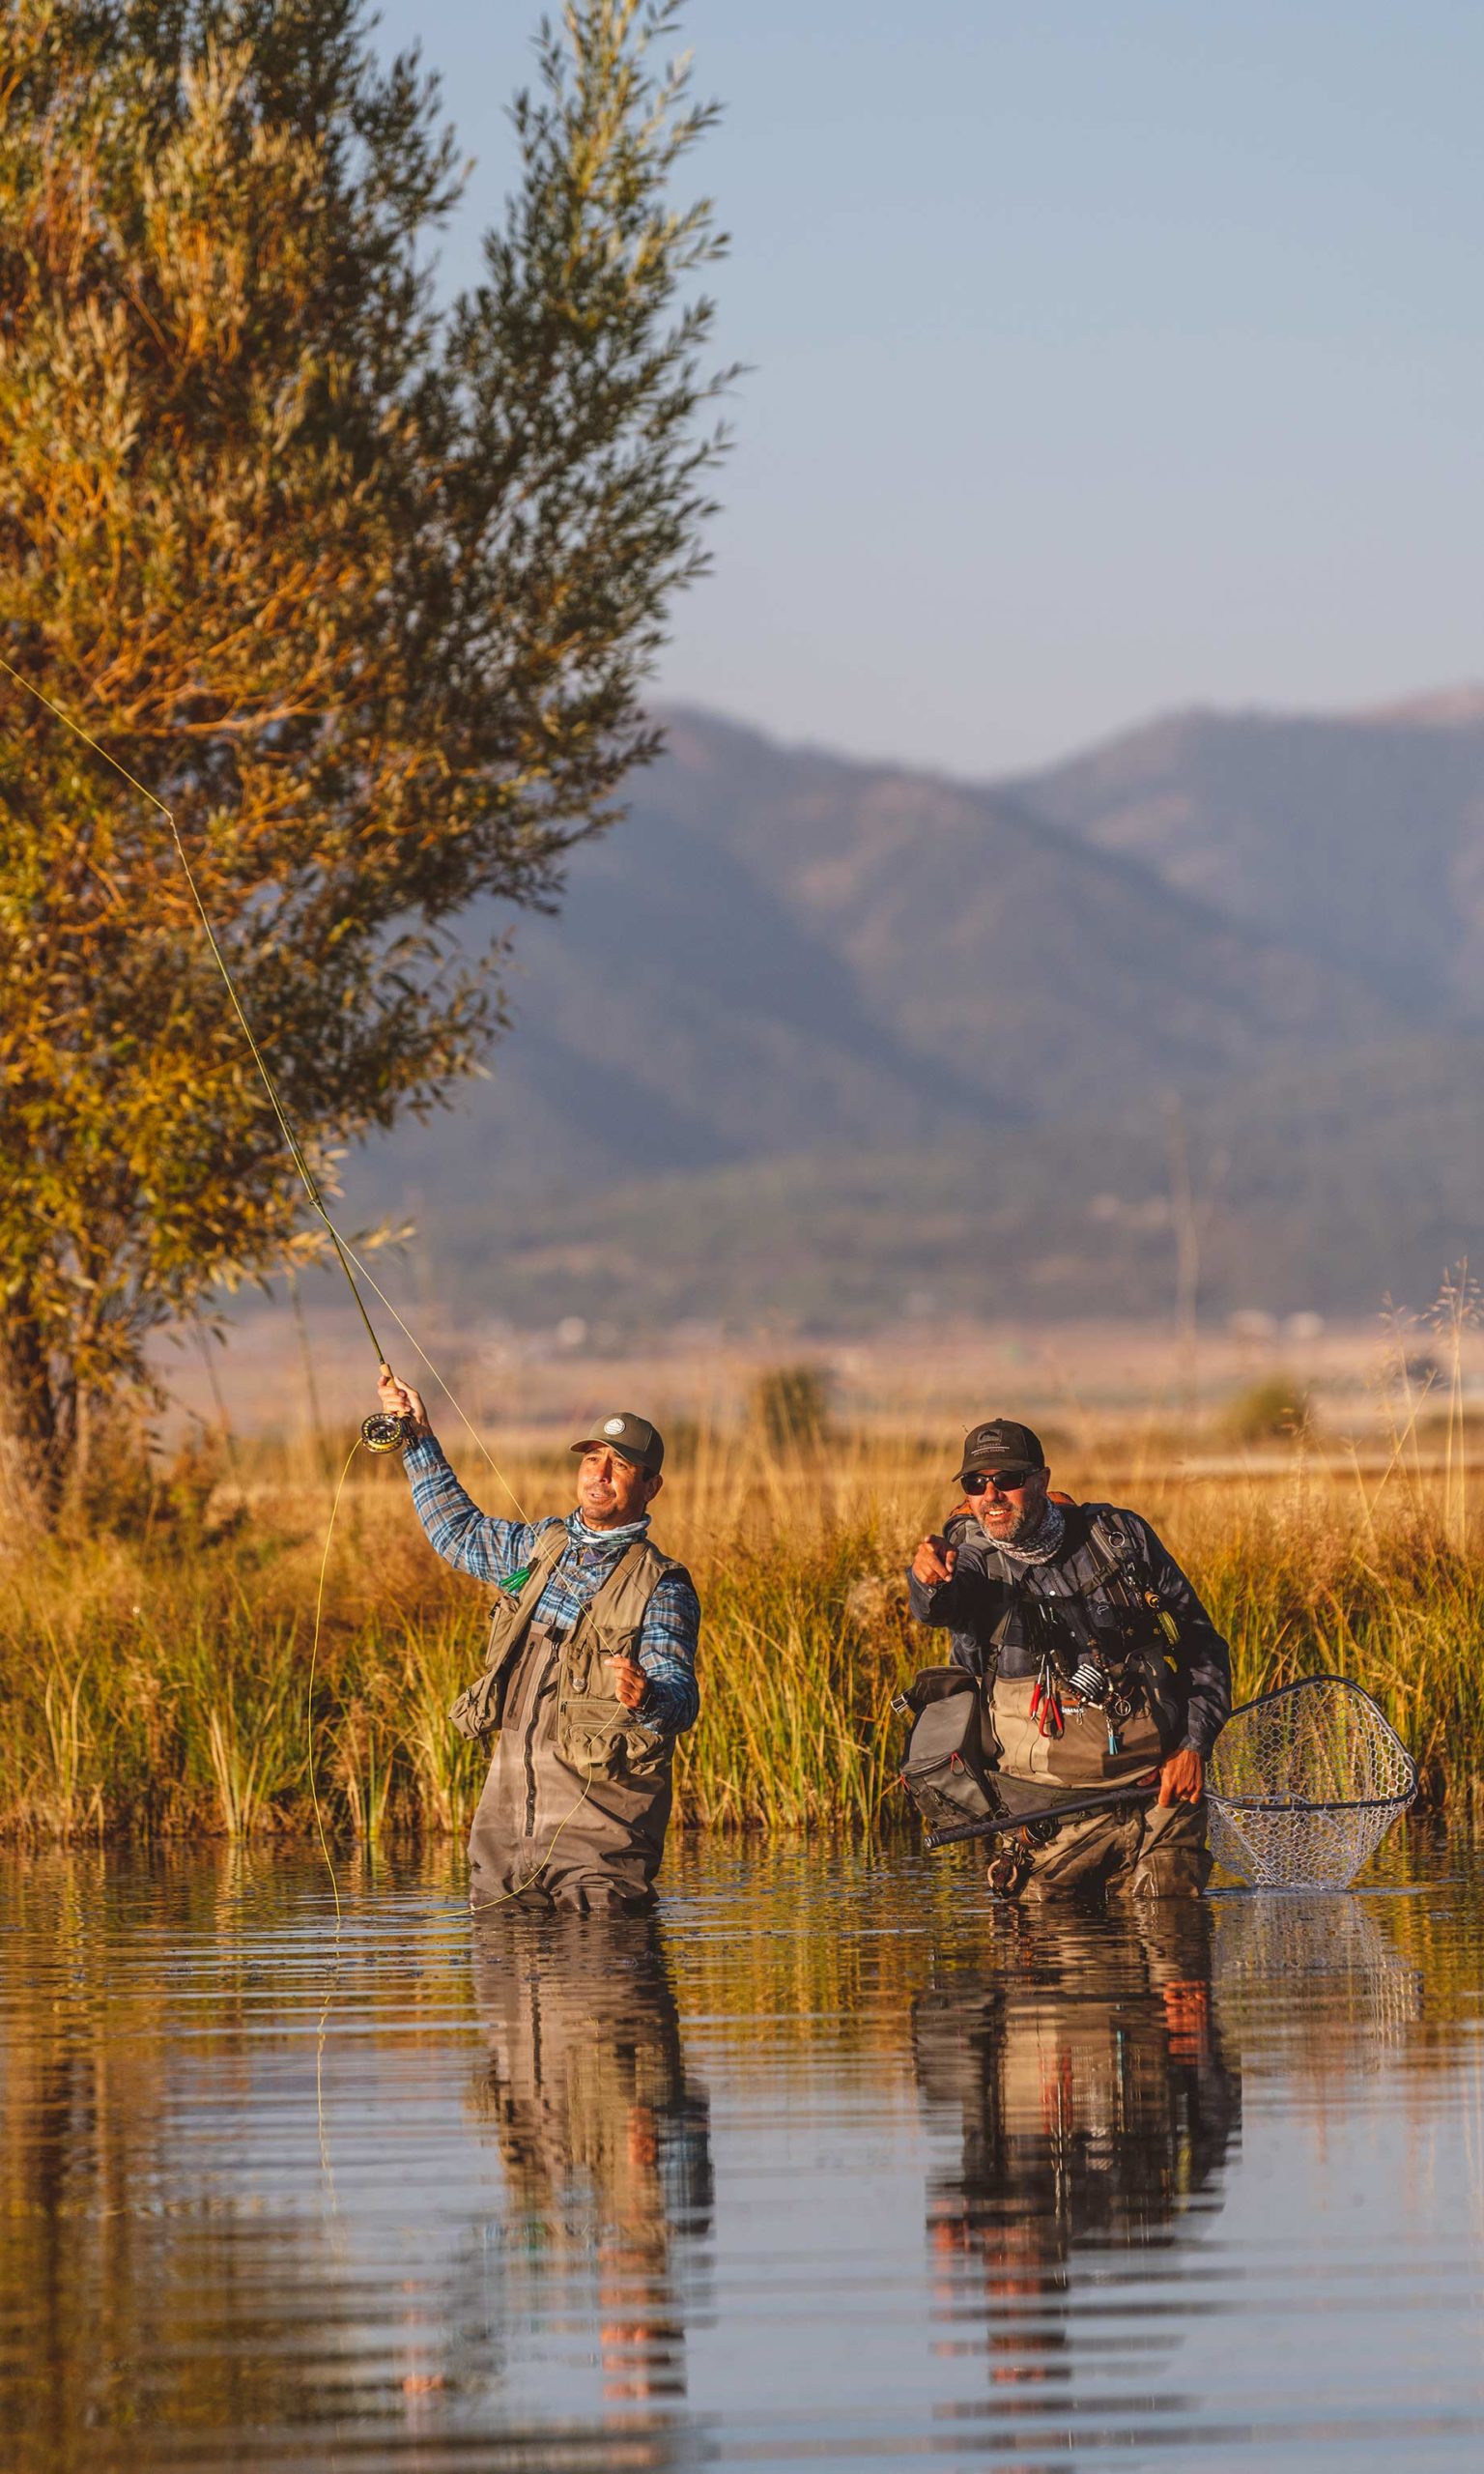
{"points": [[592, 1726]]}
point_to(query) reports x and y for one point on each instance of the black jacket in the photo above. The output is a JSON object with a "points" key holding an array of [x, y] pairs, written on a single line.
{"points": [[984, 1606]]}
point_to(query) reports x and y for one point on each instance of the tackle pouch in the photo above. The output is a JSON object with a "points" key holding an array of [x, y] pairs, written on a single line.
{"points": [[946, 1772], [480, 1707], [951, 1776]]}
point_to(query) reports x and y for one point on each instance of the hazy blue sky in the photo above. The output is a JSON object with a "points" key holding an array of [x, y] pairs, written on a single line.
{"points": [[1109, 355]]}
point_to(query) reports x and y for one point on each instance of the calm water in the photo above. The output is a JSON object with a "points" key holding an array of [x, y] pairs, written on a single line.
{"points": [[834, 2166]]}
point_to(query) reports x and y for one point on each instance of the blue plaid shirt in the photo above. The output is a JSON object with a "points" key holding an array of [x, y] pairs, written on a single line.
{"points": [[492, 1550]]}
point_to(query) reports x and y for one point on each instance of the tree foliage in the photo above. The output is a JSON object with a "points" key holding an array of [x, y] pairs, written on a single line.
{"points": [[365, 591]]}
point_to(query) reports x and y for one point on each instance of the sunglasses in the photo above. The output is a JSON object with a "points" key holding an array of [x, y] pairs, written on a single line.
{"points": [[1004, 1482]]}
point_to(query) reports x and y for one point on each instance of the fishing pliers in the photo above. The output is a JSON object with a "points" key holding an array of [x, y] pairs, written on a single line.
{"points": [[1046, 1701]]}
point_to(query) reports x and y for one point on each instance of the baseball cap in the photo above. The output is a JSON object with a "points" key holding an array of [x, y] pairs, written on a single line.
{"points": [[1001, 1442], [632, 1437]]}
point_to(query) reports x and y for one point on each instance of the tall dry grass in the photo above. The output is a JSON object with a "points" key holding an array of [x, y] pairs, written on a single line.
{"points": [[158, 1684]]}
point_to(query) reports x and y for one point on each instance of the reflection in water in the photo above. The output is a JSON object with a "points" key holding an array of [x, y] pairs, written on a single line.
{"points": [[279, 2195], [605, 2141], [1083, 2077], [1361, 1994]]}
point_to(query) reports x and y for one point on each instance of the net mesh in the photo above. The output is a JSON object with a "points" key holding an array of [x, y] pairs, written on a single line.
{"points": [[1361, 1994], [1304, 1784]]}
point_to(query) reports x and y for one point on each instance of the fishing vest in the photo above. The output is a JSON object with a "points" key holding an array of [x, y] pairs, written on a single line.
{"points": [[592, 1727]]}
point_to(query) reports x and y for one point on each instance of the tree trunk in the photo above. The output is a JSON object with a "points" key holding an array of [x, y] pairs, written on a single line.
{"points": [[35, 1421]]}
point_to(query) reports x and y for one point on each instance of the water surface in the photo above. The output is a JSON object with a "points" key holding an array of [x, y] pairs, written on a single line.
{"points": [[832, 2166]]}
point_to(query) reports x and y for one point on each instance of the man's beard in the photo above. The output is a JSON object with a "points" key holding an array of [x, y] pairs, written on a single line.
{"points": [[1036, 1535], [1027, 1520]]}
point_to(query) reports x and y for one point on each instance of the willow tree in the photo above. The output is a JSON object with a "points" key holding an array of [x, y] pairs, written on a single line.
{"points": [[363, 589]]}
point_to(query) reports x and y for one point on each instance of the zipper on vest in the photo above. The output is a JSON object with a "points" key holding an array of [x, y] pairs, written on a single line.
{"points": [[538, 1695]]}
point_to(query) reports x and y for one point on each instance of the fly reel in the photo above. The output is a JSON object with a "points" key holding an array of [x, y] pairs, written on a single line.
{"points": [[382, 1431]]}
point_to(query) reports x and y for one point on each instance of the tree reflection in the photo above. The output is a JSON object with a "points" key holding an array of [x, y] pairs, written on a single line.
{"points": [[604, 2136]]}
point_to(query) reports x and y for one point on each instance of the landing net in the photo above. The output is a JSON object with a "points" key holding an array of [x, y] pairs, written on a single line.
{"points": [[1304, 1784]]}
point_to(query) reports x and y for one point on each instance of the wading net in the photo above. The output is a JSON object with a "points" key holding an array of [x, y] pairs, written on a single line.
{"points": [[1304, 1784]]}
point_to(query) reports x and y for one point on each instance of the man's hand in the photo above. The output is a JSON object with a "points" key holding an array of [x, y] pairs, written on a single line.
{"points": [[400, 1400], [1183, 1778], [934, 1563], [630, 1681]]}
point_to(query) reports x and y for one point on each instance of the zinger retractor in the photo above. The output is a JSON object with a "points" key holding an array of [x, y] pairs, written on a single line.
{"points": [[382, 1431]]}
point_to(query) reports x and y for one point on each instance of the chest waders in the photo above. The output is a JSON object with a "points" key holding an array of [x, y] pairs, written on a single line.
{"points": [[579, 1792]]}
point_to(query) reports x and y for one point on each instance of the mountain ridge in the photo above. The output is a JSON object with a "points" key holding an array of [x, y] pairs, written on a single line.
{"points": [[786, 956]]}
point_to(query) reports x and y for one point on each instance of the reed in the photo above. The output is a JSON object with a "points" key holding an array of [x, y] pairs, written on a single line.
{"points": [[158, 1685]]}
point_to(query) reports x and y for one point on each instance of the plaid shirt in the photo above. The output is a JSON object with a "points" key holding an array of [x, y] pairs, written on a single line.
{"points": [[492, 1550]]}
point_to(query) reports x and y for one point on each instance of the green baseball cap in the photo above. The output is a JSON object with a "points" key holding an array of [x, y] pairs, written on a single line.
{"points": [[633, 1438]]}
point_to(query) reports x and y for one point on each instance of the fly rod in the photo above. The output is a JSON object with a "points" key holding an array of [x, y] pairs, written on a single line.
{"points": [[382, 1431]]}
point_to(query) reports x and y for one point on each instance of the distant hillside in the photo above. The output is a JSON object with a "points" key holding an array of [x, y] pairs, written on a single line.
{"points": [[1325, 1188], [679, 1012], [1359, 839], [778, 951], [822, 1043], [969, 919]]}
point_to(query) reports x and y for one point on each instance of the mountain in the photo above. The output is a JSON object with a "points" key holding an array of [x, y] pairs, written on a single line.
{"points": [[818, 1041], [1359, 839], [977, 928], [678, 1012], [1325, 1187], [778, 951]]}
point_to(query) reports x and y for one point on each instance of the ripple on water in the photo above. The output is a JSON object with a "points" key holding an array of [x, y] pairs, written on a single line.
{"points": [[831, 2165]]}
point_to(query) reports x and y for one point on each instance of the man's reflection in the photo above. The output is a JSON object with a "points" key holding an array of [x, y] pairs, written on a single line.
{"points": [[605, 2141], [1082, 2074]]}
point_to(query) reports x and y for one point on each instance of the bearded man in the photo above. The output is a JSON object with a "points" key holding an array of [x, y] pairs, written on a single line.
{"points": [[1097, 1663]]}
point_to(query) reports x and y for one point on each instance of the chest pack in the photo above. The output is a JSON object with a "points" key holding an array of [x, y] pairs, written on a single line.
{"points": [[951, 1776], [592, 1726]]}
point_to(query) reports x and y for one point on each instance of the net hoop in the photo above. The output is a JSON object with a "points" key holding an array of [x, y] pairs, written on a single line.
{"points": [[1316, 1775]]}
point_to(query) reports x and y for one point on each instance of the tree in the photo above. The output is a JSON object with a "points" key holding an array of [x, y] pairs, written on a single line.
{"points": [[365, 592]]}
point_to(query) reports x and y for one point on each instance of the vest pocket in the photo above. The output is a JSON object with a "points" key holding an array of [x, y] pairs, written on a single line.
{"points": [[1079, 1757], [595, 1731], [480, 1706]]}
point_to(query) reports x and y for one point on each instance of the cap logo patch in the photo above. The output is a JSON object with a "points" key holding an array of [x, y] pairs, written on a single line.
{"points": [[613, 1425]]}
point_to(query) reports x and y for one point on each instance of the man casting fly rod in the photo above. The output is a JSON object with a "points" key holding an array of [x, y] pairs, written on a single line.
{"points": [[590, 1673]]}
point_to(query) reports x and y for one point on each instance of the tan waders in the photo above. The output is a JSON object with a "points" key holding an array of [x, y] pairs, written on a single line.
{"points": [[1140, 1852], [1143, 1852]]}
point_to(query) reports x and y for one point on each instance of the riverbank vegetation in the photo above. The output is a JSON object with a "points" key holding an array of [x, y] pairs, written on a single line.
{"points": [[156, 1673]]}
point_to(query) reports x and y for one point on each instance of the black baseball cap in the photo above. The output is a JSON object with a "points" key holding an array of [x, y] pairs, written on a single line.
{"points": [[1001, 1442], [633, 1438]]}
